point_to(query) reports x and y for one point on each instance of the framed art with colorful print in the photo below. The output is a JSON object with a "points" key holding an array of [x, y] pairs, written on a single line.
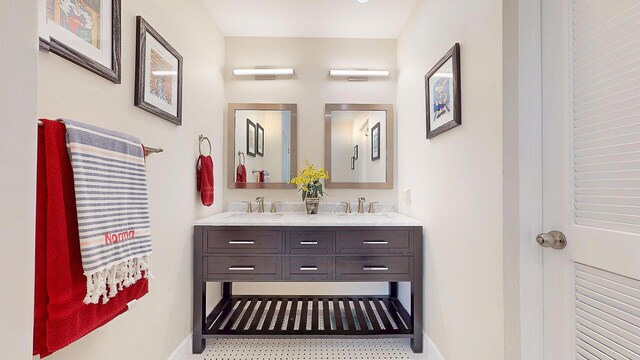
{"points": [[443, 98], [85, 32], [158, 88]]}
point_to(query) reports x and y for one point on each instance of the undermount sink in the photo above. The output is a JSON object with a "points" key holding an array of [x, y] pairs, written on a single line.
{"points": [[257, 216], [363, 214], [279, 216]]}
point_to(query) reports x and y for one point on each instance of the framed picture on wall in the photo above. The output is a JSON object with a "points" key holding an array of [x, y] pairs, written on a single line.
{"points": [[85, 32], [442, 88], [375, 142], [355, 152], [251, 138], [158, 87], [260, 139]]}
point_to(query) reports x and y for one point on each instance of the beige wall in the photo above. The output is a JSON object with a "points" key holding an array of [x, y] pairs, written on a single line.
{"points": [[456, 179], [18, 64], [162, 319], [311, 88]]}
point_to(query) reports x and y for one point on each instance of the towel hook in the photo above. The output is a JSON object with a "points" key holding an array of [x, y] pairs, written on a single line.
{"points": [[202, 138], [241, 160]]}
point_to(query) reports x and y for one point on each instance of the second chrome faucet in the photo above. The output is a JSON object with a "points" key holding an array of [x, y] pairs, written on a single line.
{"points": [[260, 200], [361, 202]]}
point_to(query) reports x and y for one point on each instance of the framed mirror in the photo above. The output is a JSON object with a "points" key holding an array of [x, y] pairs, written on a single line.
{"points": [[262, 146], [359, 146]]}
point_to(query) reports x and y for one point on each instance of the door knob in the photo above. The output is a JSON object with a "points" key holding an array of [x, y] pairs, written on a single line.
{"points": [[552, 239]]}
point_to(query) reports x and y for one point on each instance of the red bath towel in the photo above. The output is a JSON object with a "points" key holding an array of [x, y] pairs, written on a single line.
{"points": [[204, 175], [60, 315]]}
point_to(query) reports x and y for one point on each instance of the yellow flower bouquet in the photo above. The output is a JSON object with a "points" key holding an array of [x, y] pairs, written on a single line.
{"points": [[309, 182]]}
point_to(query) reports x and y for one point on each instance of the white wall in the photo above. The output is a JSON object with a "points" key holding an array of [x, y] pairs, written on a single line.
{"points": [[456, 179], [18, 137], [273, 142], [163, 318], [311, 89], [342, 138]]}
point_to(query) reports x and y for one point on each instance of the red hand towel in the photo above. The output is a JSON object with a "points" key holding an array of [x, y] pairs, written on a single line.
{"points": [[60, 315], [241, 174], [261, 176], [204, 175]]}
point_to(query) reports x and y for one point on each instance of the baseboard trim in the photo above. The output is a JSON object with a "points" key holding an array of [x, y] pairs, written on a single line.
{"points": [[183, 351], [430, 348]]}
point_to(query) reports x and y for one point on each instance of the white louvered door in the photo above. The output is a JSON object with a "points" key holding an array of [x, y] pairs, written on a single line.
{"points": [[591, 178]]}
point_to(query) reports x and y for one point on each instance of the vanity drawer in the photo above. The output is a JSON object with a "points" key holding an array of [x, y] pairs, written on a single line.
{"points": [[248, 268], [380, 268], [373, 242], [244, 241], [309, 267], [310, 242]]}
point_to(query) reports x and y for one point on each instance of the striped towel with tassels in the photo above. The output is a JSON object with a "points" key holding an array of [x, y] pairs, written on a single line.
{"points": [[113, 208]]}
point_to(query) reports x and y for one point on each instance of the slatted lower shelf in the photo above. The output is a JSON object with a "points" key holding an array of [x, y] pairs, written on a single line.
{"points": [[309, 316]]}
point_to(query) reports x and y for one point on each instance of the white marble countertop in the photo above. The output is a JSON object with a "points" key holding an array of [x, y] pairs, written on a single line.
{"points": [[235, 218], [325, 206]]}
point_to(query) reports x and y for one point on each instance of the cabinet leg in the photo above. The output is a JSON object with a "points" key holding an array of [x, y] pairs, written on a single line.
{"points": [[393, 289], [199, 301], [199, 294], [198, 344], [227, 289], [416, 342], [416, 293]]}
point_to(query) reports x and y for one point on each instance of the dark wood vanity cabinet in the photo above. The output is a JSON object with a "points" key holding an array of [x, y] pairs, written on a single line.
{"points": [[230, 254]]}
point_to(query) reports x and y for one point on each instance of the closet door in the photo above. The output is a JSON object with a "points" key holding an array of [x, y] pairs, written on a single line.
{"points": [[591, 172]]}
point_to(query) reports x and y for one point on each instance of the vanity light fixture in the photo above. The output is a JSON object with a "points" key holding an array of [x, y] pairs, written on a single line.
{"points": [[264, 73], [165, 73], [359, 75], [363, 1]]}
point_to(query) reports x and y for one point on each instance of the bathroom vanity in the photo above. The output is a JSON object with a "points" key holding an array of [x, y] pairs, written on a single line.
{"points": [[295, 247]]}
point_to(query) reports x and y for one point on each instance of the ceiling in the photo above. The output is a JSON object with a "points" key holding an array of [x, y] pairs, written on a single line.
{"points": [[311, 18]]}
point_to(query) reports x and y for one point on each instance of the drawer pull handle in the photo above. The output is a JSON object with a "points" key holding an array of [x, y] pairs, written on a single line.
{"points": [[308, 243], [242, 268], [375, 242], [308, 268], [375, 268], [242, 242]]}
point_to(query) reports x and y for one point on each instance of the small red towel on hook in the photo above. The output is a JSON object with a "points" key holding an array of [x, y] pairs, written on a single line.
{"points": [[204, 175], [241, 174]]}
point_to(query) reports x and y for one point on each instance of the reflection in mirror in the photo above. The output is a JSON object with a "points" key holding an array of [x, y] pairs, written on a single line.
{"points": [[263, 147], [359, 145]]}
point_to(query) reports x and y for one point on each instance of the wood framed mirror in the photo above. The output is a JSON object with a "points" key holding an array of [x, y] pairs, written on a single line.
{"points": [[262, 146], [359, 146]]}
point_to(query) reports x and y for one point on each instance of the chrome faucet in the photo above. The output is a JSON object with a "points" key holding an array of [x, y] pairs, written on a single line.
{"points": [[273, 206], [249, 207], [347, 209], [260, 200], [361, 201], [372, 208]]}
